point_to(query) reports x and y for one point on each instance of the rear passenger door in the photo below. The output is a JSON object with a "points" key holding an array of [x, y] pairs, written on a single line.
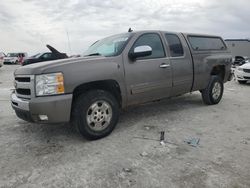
{"points": [[147, 78], [181, 63]]}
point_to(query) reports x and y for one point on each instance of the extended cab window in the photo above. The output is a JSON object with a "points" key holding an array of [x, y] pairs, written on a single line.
{"points": [[175, 46], [206, 43], [154, 41]]}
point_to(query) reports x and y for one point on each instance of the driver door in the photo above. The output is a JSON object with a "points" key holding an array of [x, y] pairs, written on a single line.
{"points": [[148, 78]]}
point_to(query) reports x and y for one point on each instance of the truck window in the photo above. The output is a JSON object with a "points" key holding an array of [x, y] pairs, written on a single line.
{"points": [[206, 43], [154, 41], [175, 46]]}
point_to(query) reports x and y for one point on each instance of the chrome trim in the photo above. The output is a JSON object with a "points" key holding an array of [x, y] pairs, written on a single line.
{"points": [[25, 85], [163, 65], [22, 85], [21, 104]]}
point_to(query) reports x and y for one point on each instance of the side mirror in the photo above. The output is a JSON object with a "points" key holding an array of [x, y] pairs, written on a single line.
{"points": [[140, 51]]}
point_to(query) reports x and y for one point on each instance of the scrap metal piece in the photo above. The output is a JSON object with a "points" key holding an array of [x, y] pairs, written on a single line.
{"points": [[193, 142], [162, 135]]}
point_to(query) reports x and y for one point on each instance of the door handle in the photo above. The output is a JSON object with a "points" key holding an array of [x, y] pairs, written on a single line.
{"points": [[164, 65]]}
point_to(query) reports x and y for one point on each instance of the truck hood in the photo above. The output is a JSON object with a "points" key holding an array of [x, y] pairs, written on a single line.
{"points": [[44, 67]]}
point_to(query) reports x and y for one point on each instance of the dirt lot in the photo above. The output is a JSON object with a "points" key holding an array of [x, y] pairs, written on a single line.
{"points": [[34, 155]]}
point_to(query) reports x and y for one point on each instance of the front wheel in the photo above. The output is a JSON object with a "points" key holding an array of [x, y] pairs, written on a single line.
{"points": [[95, 114], [212, 94]]}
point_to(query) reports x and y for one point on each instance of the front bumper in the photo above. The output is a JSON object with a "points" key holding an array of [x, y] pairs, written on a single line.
{"points": [[56, 108], [8, 62]]}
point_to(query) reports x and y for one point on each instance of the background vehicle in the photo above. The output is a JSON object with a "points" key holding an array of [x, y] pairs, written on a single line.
{"points": [[242, 73], [239, 60], [240, 49], [2, 55], [117, 72], [15, 58], [75, 56], [47, 56]]}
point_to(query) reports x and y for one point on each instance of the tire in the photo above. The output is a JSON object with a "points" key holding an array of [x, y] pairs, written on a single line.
{"points": [[95, 114], [212, 94], [242, 81]]}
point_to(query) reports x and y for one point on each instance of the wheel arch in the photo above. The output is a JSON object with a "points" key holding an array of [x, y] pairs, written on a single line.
{"points": [[219, 70], [111, 86]]}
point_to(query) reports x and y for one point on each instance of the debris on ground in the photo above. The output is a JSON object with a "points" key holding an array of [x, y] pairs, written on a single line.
{"points": [[162, 143], [244, 142], [128, 170], [162, 135], [193, 142], [144, 154]]}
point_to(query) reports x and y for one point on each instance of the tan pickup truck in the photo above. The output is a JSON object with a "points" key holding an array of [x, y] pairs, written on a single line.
{"points": [[117, 72]]}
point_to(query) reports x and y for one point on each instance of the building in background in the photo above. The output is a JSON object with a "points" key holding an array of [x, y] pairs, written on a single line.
{"points": [[239, 47]]}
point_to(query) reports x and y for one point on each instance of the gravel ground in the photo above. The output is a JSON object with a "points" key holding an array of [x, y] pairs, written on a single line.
{"points": [[34, 155]]}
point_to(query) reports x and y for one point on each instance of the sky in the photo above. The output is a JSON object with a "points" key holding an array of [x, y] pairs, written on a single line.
{"points": [[72, 25]]}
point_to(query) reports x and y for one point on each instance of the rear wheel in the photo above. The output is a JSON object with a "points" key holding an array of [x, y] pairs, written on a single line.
{"points": [[95, 114], [212, 94], [242, 81]]}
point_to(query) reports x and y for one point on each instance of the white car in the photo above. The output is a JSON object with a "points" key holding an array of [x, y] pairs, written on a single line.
{"points": [[2, 55], [14, 58], [242, 73]]}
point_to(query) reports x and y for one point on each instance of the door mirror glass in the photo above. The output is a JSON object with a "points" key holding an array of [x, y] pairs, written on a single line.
{"points": [[140, 51]]}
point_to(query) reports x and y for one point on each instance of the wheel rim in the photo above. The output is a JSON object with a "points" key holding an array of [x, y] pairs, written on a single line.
{"points": [[216, 92], [99, 115]]}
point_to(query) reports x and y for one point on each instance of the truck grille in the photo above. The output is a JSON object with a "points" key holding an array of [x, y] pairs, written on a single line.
{"points": [[246, 70], [24, 85], [23, 91], [22, 79]]}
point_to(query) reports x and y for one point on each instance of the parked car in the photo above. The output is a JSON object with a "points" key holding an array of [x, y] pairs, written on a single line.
{"points": [[242, 73], [239, 60], [46, 56], [2, 55], [15, 58], [117, 72], [75, 56]]}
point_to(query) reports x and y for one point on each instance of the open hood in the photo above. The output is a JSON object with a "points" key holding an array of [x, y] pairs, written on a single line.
{"points": [[56, 53]]}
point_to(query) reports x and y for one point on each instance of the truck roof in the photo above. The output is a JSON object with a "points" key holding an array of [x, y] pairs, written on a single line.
{"points": [[246, 40], [175, 32]]}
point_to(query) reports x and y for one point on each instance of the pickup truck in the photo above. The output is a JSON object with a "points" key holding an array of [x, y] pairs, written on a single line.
{"points": [[117, 72]]}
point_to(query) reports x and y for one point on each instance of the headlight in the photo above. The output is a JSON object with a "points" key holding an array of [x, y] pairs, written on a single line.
{"points": [[240, 69], [49, 84]]}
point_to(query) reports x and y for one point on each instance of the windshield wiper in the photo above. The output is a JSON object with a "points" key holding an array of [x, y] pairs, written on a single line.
{"points": [[94, 54]]}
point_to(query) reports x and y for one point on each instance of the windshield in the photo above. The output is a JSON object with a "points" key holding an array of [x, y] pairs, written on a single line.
{"points": [[110, 46], [12, 55]]}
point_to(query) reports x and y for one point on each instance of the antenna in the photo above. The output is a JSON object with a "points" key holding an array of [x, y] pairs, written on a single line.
{"points": [[69, 41]]}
